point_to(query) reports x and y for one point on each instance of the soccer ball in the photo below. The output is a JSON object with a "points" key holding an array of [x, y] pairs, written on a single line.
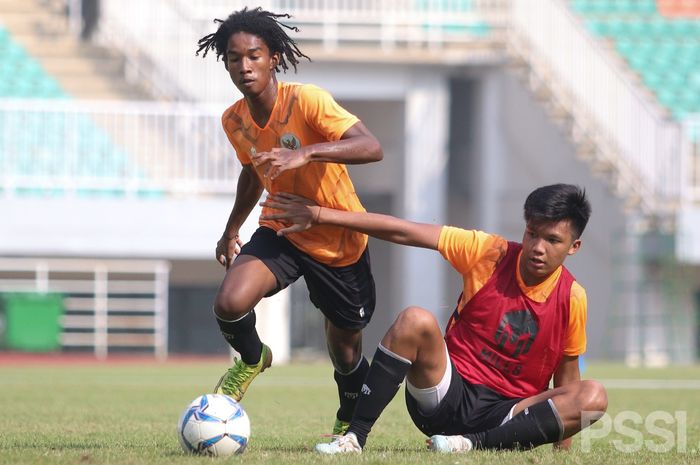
{"points": [[215, 425]]}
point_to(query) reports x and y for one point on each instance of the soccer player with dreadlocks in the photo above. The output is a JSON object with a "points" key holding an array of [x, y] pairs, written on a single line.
{"points": [[290, 138]]}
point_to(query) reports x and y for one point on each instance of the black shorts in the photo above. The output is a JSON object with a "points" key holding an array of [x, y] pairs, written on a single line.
{"points": [[345, 294], [467, 408]]}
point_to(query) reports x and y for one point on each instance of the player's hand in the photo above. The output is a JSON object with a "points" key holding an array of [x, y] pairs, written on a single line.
{"points": [[227, 248], [279, 160], [301, 212]]}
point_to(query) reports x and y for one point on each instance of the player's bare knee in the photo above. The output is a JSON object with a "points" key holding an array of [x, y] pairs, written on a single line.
{"points": [[412, 322], [595, 397], [229, 306]]}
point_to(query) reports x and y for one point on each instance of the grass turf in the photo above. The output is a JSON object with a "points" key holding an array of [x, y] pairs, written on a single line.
{"points": [[126, 413]]}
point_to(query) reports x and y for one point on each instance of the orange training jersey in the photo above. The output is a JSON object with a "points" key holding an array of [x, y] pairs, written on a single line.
{"points": [[303, 115], [475, 255]]}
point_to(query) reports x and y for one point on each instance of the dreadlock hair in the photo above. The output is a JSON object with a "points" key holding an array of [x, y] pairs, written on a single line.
{"points": [[261, 23]]}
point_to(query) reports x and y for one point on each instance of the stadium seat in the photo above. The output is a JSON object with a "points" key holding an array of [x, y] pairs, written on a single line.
{"points": [[611, 7], [40, 141], [477, 29], [664, 51]]}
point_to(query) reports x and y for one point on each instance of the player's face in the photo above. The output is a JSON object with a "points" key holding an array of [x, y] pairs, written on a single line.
{"points": [[545, 246], [249, 63]]}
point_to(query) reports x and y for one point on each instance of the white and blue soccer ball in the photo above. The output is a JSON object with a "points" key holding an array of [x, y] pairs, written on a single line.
{"points": [[214, 425]]}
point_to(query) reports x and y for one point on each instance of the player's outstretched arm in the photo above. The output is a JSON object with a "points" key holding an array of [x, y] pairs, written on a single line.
{"points": [[356, 146], [303, 214]]}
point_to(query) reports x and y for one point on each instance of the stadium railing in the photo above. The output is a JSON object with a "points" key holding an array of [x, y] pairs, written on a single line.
{"points": [[109, 305], [159, 37], [691, 160], [628, 131], [93, 148]]}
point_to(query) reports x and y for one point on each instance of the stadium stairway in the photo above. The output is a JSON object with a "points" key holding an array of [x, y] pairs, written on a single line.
{"points": [[41, 59], [601, 137], [83, 70]]}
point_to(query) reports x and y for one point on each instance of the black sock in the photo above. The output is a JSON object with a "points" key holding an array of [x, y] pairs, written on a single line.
{"points": [[536, 425], [243, 337], [384, 378], [349, 386]]}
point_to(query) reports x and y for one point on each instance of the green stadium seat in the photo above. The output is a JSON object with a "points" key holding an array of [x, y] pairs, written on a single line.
{"points": [[100, 193], [38, 143], [653, 80], [426, 5], [695, 133], [4, 35], [674, 80], [479, 29], [476, 30], [664, 52], [613, 7]]}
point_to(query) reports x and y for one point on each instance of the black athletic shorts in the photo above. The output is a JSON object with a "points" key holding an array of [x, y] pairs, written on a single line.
{"points": [[467, 408], [345, 294]]}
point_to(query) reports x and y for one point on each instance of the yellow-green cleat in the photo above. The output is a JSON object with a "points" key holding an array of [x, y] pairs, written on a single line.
{"points": [[237, 378], [340, 427]]}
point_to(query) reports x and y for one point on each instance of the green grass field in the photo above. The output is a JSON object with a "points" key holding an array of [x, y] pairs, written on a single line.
{"points": [[125, 413]]}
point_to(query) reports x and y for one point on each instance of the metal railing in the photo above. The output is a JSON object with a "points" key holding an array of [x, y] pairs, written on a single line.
{"points": [[108, 304], [691, 161], [127, 148], [645, 149], [159, 37], [629, 132], [384, 23]]}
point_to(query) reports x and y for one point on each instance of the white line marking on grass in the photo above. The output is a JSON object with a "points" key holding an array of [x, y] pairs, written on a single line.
{"points": [[651, 384]]}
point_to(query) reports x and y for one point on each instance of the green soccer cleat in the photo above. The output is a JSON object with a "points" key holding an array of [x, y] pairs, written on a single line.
{"points": [[237, 378], [340, 427]]}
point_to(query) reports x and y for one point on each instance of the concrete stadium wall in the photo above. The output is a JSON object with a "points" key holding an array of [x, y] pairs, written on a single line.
{"points": [[507, 147]]}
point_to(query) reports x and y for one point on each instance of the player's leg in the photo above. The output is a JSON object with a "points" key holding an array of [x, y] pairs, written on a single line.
{"points": [[350, 369], [542, 419], [346, 297], [575, 404], [413, 346], [246, 282], [264, 266]]}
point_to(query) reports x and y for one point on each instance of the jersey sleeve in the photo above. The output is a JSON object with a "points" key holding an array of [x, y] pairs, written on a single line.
{"points": [[464, 248], [323, 114], [578, 311]]}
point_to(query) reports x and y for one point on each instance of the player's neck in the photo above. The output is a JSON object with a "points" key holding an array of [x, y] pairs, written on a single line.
{"points": [[262, 104]]}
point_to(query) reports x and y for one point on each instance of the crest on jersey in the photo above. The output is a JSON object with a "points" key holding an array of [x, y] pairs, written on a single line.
{"points": [[517, 328], [290, 141]]}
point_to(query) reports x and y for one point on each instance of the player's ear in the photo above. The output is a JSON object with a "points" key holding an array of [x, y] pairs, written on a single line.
{"points": [[274, 61], [574, 247]]}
